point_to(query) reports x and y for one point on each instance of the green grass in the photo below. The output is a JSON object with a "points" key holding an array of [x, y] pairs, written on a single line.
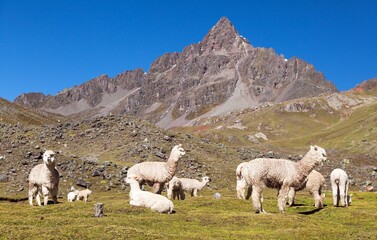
{"points": [[195, 218]]}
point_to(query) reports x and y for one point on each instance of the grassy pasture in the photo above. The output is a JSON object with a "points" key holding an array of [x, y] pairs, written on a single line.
{"points": [[195, 218]]}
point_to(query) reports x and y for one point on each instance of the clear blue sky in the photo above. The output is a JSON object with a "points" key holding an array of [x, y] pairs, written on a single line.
{"points": [[46, 46]]}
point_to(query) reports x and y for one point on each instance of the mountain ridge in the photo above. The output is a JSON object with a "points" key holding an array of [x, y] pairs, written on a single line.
{"points": [[221, 73]]}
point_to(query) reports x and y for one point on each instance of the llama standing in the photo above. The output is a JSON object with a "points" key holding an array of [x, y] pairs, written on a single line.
{"points": [[192, 186], [156, 174], [44, 180], [314, 184], [339, 183], [174, 189], [281, 174]]}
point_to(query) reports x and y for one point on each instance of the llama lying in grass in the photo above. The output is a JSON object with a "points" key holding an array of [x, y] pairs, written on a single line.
{"points": [[175, 190], [281, 174], [340, 183], [44, 180], [192, 186], [314, 184], [156, 174], [242, 186], [153, 201]]}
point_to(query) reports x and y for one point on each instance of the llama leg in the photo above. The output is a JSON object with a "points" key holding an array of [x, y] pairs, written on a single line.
{"points": [[157, 188], [182, 195], [342, 190], [32, 193], [240, 189], [282, 198], [335, 195], [291, 196], [45, 193], [256, 197], [170, 193], [318, 201], [346, 195], [195, 192], [54, 194], [249, 191]]}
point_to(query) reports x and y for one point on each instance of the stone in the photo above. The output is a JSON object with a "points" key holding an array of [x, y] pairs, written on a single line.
{"points": [[3, 178], [99, 209], [82, 183], [217, 195]]}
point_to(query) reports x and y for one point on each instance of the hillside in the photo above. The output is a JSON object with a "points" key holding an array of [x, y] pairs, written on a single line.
{"points": [[97, 151], [11, 113]]}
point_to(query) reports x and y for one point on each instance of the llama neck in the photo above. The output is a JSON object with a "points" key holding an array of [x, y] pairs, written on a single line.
{"points": [[135, 186], [50, 167], [171, 165], [306, 165], [202, 184]]}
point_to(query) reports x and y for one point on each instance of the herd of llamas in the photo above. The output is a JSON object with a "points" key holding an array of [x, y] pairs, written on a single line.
{"points": [[252, 178]]}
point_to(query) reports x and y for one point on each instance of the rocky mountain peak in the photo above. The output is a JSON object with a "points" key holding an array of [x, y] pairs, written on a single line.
{"points": [[220, 74], [222, 36], [367, 85]]}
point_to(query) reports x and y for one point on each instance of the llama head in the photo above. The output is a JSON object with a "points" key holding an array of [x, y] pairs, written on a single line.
{"points": [[177, 152], [132, 179], [206, 179], [319, 201], [318, 153], [49, 157]]}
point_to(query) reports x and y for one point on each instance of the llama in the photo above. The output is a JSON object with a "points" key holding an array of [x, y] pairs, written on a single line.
{"points": [[281, 174], [174, 189], [241, 183], [193, 186], [44, 180], [340, 183], [84, 195], [153, 201], [314, 184], [156, 174], [72, 196]]}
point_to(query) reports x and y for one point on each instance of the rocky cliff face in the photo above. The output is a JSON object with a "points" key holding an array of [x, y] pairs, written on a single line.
{"points": [[367, 85], [222, 73]]}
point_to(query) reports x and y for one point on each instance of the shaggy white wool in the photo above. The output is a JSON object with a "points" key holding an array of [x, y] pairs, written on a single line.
{"points": [[281, 174], [153, 201], [192, 186], [44, 180], [339, 184], [156, 174], [313, 184]]}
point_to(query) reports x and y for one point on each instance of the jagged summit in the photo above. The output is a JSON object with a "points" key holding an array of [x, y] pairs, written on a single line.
{"points": [[222, 36]]}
